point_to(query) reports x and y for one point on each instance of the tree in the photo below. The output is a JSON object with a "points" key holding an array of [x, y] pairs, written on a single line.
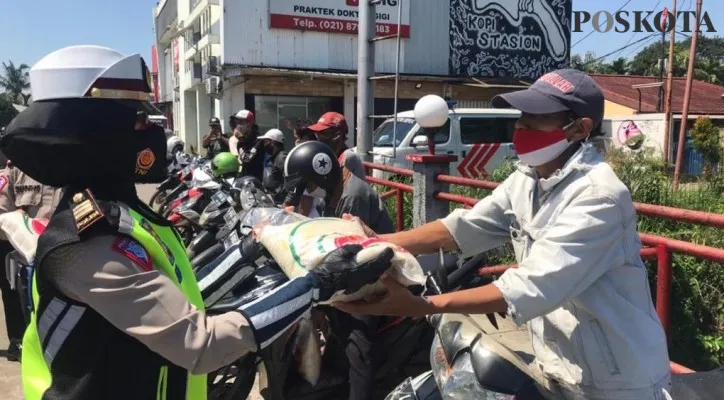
{"points": [[7, 111], [706, 140], [619, 66], [707, 66], [16, 81], [590, 64]]}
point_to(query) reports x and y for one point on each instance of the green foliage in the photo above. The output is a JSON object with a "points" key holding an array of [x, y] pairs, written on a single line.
{"points": [[16, 81], [707, 65], [706, 139], [7, 111], [697, 293], [590, 64]]}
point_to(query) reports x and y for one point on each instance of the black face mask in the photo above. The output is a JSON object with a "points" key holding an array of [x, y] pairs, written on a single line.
{"points": [[85, 143], [142, 155]]}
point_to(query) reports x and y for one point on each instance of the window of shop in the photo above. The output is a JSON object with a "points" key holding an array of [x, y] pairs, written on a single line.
{"points": [[281, 112]]}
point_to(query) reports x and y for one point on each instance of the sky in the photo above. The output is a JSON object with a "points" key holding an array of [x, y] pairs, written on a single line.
{"points": [[29, 29]]}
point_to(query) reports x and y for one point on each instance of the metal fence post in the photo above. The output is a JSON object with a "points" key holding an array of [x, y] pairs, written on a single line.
{"points": [[663, 287], [426, 168]]}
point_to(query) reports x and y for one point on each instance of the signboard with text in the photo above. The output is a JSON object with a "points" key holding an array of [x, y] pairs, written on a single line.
{"points": [[336, 16], [521, 39]]}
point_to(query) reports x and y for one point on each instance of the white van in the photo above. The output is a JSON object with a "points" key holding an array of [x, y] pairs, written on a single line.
{"points": [[161, 120], [481, 138]]}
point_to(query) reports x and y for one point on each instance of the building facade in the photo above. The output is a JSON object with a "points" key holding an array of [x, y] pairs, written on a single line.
{"points": [[285, 60]]}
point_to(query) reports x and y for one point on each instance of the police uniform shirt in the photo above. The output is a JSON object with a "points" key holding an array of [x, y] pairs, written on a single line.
{"points": [[19, 191], [118, 289]]}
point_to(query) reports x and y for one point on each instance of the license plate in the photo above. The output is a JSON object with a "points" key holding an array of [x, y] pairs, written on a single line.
{"points": [[230, 218], [231, 239], [219, 198]]}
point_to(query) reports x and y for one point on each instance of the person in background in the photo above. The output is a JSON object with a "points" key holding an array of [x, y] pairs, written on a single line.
{"points": [[332, 129], [18, 191], [302, 133], [215, 141], [580, 286], [250, 151], [311, 166], [273, 141], [310, 206]]}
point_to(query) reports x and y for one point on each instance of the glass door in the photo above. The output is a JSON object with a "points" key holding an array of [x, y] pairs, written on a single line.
{"points": [[289, 110]]}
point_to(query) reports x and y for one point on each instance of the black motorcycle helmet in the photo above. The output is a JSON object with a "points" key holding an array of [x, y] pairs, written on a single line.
{"points": [[314, 163]]}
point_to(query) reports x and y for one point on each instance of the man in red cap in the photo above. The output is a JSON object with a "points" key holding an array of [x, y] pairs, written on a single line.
{"points": [[249, 150], [332, 129]]}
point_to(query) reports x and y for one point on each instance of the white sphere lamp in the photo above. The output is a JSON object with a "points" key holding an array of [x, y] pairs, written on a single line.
{"points": [[431, 112]]}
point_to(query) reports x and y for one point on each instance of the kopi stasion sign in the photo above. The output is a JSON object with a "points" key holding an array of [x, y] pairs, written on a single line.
{"points": [[520, 39]]}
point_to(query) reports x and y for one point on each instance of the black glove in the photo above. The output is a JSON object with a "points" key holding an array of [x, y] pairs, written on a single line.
{"points": [[250, 249], [339, 271]]}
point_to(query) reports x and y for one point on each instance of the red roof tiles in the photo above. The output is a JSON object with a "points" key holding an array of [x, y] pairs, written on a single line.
{"points": [[706, 98]]}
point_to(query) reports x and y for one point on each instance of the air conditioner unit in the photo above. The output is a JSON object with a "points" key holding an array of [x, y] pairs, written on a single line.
{"points": [[212, 66], [213, 86]]}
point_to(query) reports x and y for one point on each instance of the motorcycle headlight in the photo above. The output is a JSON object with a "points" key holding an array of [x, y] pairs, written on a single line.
{"points": [[441, 368], [456, 378]]}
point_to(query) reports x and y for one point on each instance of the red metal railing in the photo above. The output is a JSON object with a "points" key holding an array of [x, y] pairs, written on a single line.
{"points": [[659, 247]]}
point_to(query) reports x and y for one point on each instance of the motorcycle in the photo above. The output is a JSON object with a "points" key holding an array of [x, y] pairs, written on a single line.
{"points": [[245, 194], [233, 280], [468, 363], [185, 211], [179, 180]]}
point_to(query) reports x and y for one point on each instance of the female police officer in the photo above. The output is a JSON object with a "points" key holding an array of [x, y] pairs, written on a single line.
{"points": [[117, 309]]}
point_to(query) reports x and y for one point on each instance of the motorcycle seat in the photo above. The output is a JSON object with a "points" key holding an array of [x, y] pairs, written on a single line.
{"points": [[699, 386]]}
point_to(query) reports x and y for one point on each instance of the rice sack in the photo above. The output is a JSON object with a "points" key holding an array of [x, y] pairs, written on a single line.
{"points": [[300, 246]]}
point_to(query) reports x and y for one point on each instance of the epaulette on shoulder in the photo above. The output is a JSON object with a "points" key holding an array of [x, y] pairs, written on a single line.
{"points": [[86, 210]]}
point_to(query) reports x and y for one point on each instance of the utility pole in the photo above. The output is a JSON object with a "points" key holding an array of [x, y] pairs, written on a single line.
{"points": [[365, 70], [664, 23], [687, 96], [669, 82]]}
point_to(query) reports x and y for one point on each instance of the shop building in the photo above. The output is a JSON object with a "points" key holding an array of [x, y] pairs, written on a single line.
{"points": [[285, 60]]}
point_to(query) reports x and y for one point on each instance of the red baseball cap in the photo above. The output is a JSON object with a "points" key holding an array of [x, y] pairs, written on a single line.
{"points": [[245, 115], [330, 120]]}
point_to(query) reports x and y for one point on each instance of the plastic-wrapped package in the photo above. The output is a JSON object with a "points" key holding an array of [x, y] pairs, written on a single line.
{"points": [[22, 232], [298, 244]]}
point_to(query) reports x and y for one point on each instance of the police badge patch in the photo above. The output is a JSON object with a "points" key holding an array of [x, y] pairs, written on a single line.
{"points": [[133, 251]]}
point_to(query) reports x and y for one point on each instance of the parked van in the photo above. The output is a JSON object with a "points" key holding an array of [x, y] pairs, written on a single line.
{"points": [[481, 138], [161, 120]]}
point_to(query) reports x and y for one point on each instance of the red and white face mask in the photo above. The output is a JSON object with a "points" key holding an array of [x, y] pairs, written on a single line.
{"points": [[536, 148]]}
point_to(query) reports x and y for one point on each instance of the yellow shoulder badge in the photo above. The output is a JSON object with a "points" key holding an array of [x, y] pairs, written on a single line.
{"points": [[85, 210]]}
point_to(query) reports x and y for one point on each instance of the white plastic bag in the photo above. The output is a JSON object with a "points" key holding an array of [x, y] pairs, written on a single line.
{"points": [[300, 245], [22, 232]]}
